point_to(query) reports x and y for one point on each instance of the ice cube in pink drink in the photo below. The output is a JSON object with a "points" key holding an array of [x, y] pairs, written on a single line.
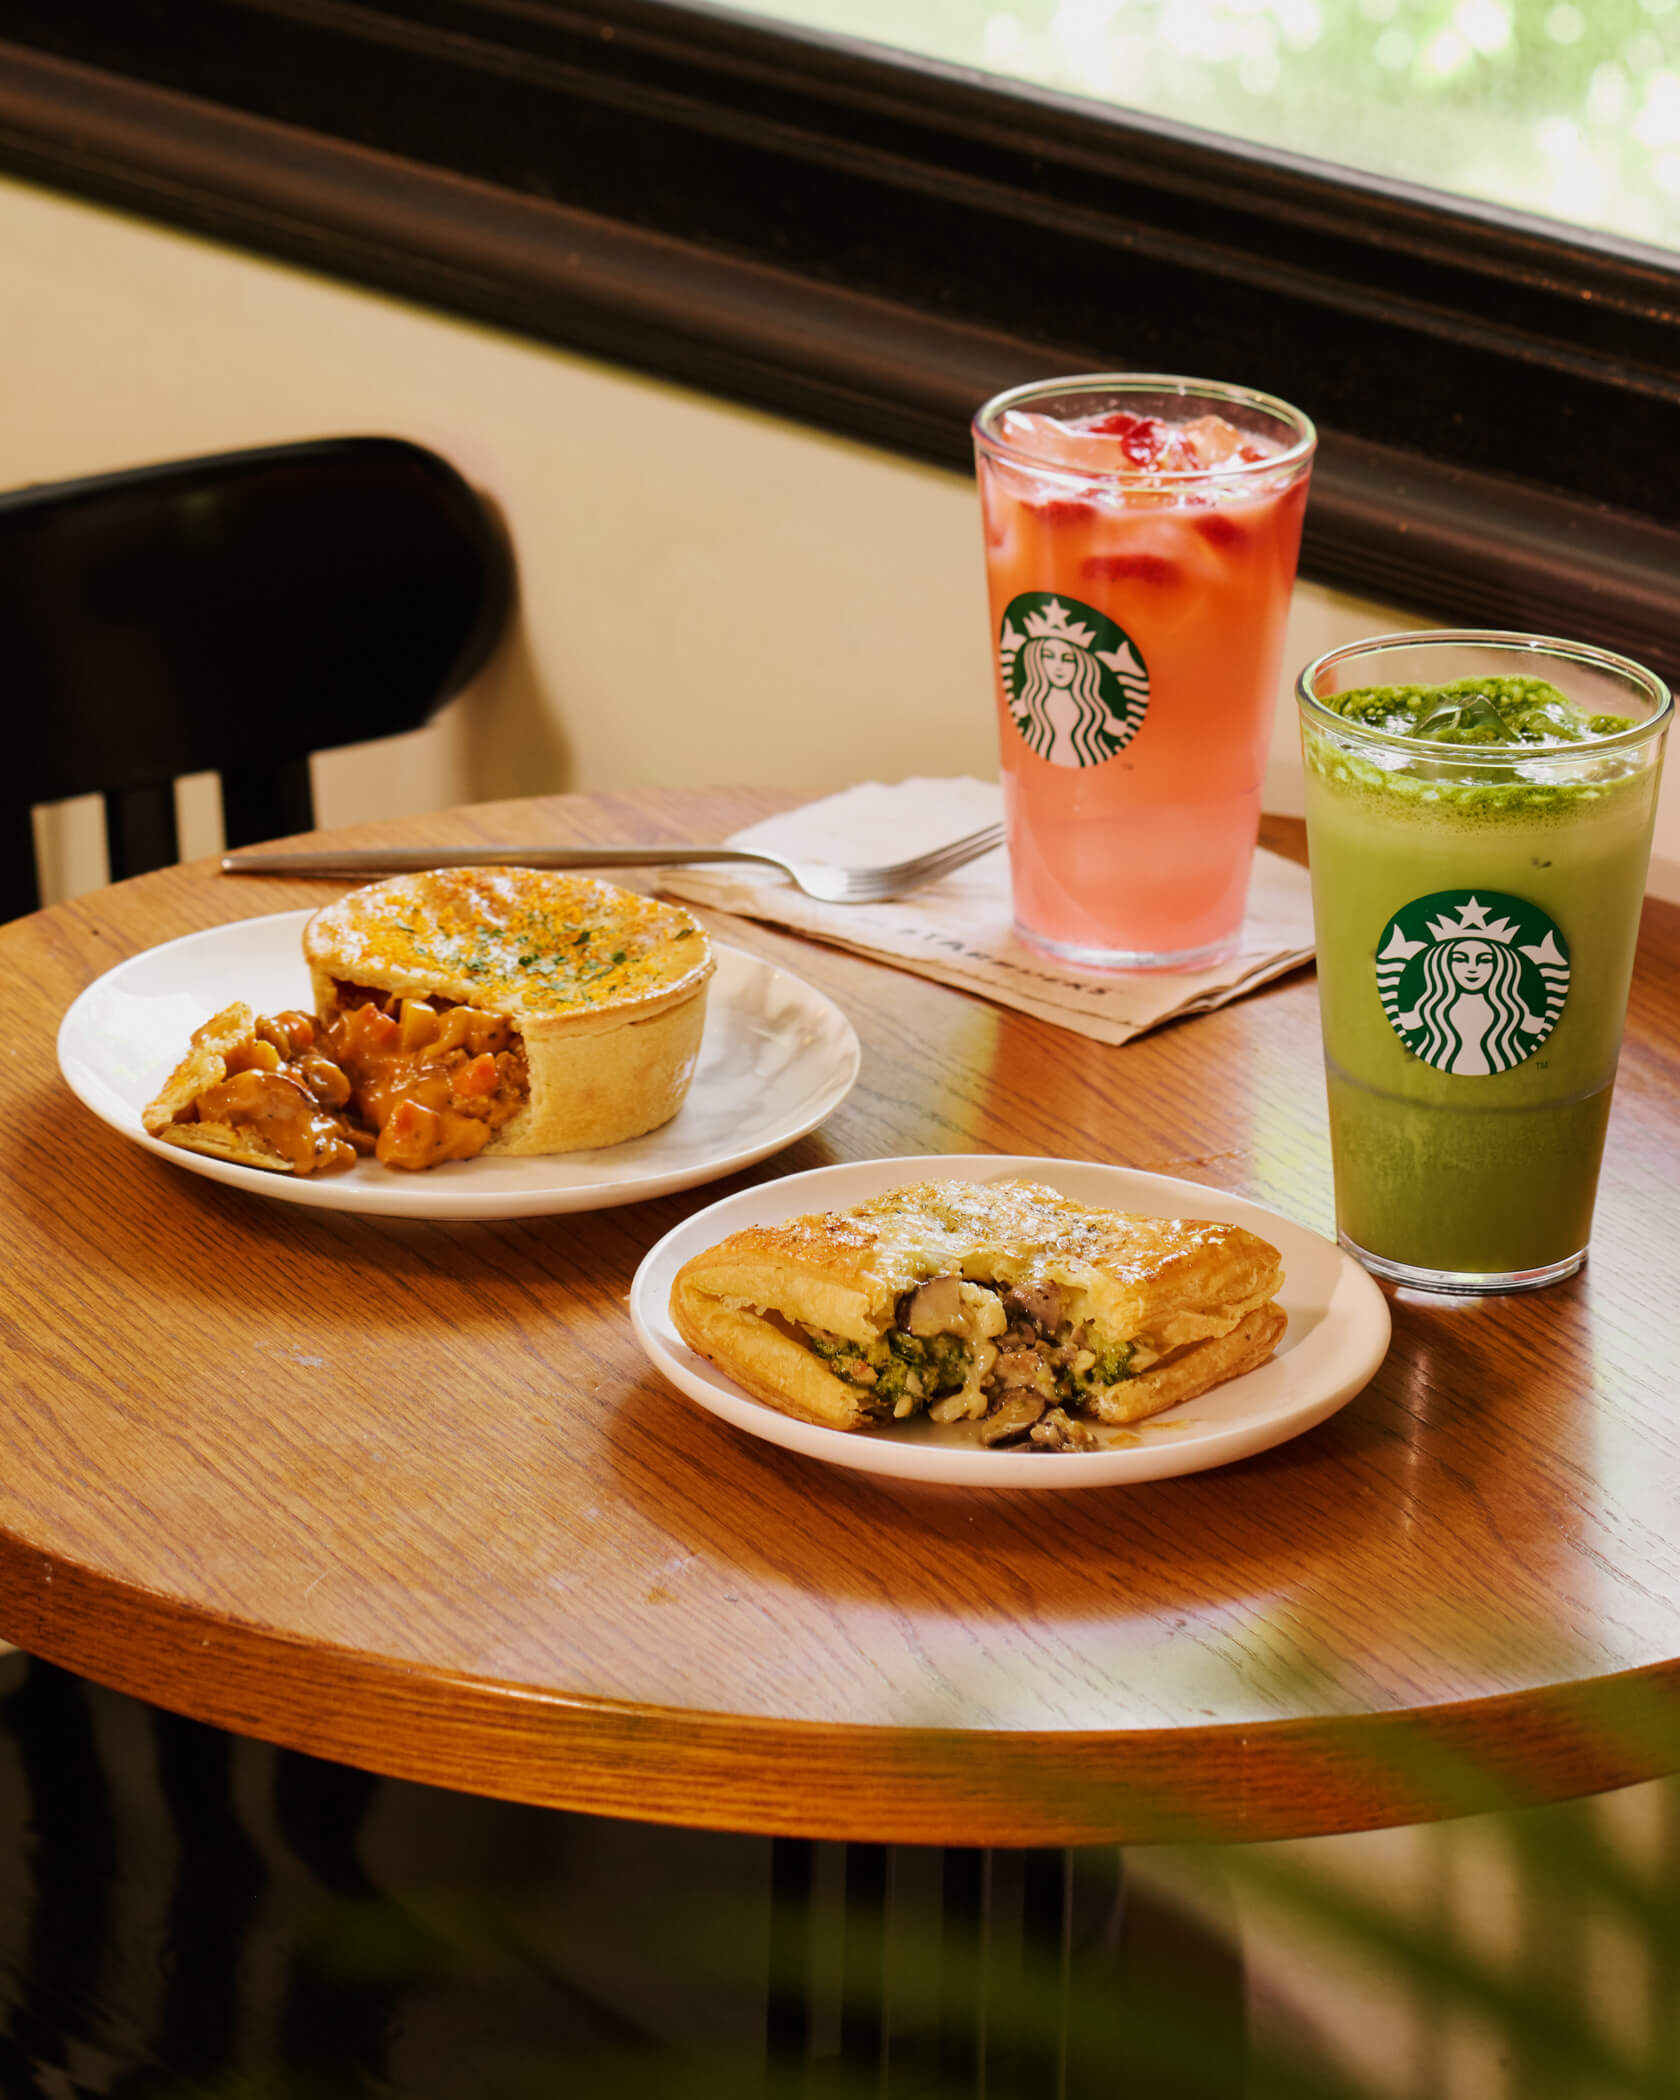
{"points": [[1141, 448], [1212, 442], [1063, 444]]}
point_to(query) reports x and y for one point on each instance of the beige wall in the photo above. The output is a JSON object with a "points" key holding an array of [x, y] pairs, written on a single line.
{"points": [[708, 593]]}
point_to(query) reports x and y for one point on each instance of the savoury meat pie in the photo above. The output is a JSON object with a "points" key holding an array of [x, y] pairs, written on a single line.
{"points": [[595, 997], [1005, 1305]]}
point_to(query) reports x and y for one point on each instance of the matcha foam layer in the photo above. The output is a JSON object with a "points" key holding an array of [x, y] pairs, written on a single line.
{"points": [[1529, 712], [1525, 751]]}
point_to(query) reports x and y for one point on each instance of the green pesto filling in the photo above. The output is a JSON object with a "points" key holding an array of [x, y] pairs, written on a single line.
{"points": [[942, 1360], [1526, 711]]}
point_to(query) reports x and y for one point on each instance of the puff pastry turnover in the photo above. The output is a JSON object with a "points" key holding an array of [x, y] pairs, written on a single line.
{"points": [[1006, 1305]]}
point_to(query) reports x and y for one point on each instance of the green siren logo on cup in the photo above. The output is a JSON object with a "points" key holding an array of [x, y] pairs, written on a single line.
{"points": [[1473, 981], [1075, 685]]}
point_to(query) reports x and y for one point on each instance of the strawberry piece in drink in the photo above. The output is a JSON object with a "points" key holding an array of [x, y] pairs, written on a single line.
{"points": [[1221, 530], [1153, 569], [1147, 442]]}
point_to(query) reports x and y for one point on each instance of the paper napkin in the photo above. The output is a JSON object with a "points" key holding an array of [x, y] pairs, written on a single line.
{"points": [[958, 930]]}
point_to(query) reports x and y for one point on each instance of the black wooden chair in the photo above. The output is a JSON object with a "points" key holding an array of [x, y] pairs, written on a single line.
{"points": [[230, 614]]}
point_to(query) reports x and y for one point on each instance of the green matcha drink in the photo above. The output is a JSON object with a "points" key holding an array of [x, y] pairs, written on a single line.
{"points": [[1479, 811]]}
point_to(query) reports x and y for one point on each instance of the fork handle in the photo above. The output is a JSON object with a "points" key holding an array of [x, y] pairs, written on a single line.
{"points": [[356, 863]]}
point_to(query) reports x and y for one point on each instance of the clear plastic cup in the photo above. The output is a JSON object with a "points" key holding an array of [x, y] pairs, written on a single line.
{"points": [[1476, 908], [1139, 593]]}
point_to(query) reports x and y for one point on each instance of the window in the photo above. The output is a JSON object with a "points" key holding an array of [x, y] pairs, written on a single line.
{"points": [[874, 240], [1571, 111]]}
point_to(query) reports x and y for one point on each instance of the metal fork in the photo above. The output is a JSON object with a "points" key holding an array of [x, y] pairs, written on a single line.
{"points": [[819, 879]]}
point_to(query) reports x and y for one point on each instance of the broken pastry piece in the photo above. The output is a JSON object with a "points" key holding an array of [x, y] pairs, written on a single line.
{"points": [[257, 1090], [1003, 1305]]}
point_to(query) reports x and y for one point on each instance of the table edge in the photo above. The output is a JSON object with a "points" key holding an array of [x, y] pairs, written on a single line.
{"points": [[1221, 1782]]}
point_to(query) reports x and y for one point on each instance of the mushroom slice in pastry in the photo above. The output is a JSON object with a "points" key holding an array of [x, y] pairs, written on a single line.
{"points": [[509, 1010], [1004, 1305], [255, 1089]]}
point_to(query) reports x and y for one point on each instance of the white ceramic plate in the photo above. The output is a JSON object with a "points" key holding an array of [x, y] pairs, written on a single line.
{"points": [[776, 1058], [1337, 1334]]}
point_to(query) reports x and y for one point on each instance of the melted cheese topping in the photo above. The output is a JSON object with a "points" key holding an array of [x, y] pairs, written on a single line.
{"points": [[517, 940], [1021, 1233], [1013, 1232]]}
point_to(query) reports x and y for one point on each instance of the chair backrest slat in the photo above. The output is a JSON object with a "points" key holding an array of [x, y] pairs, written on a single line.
{"points": [[20, 882], [233, 614]]}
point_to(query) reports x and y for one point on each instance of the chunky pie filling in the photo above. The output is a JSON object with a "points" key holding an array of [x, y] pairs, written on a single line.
{"points": [[280, 1086], [413, 1081], [432, 1079], [1007, 1356]]}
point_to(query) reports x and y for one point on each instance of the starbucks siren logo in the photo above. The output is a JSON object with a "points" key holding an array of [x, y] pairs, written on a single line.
{"points": [[1472, 981], [1075, 685]]}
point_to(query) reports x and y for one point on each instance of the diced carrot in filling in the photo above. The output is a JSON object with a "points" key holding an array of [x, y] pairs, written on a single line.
{"points": [[477, 1077], [434, 1081], [416, 1137], [366, 1031]]}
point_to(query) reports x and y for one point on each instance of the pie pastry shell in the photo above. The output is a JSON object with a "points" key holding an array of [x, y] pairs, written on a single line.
{"points": [[607, 987]]}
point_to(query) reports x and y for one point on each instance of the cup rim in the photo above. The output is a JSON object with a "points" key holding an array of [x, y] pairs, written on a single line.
{"points": [[1541, 646], [1209, 390]]}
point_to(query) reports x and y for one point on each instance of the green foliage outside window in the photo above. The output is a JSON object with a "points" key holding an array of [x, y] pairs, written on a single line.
{"points": [[1565, 108]]}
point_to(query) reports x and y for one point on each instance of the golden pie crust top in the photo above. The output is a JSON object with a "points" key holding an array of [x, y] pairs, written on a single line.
{"points": [[520, 941]]}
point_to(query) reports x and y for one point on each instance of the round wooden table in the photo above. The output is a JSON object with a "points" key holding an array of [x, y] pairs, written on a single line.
{"points": [[407, 1495]]}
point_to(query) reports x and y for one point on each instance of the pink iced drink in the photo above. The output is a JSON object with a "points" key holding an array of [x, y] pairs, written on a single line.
{"points": [[1140, 569]]}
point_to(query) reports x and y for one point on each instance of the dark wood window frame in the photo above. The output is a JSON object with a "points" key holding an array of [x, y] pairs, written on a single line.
{"points": [[872, 244]]}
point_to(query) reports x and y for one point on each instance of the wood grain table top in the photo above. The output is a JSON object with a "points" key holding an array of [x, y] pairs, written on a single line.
{"points": [[408, 1495]]}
